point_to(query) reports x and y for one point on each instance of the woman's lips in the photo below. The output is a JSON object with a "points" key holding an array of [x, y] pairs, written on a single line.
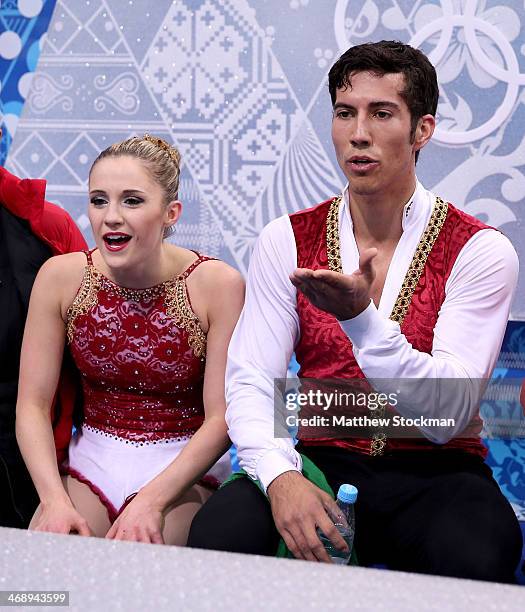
{"points": [[116, 241]]}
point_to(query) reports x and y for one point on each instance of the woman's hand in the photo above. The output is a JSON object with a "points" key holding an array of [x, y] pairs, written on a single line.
{"points": [[59, 517], [140, 521]]}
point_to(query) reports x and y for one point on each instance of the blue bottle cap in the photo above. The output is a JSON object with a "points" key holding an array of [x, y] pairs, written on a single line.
{"points": [[347, 493]]}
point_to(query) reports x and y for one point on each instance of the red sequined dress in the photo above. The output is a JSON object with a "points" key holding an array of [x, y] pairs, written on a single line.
{"points": [[141, 356]]}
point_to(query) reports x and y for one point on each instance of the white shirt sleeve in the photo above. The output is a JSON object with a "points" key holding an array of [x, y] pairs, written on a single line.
{"points": [[467, 336], [259, 352]]}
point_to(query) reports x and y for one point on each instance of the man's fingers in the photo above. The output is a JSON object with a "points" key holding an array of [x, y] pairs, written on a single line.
{"points": [[322, 277], [302, 539], [317, 548], [298, 506], [365, 263], [301, 274], [332, 533], [322, 283], [305, 544], [291, 544]]}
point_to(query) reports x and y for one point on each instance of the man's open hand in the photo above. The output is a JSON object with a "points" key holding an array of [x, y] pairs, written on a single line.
{"points": [[298, 507], [343, 295]]}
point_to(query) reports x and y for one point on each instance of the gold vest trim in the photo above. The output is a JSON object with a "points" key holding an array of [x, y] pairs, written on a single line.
{"points": [[427, 241], [412, 276]]}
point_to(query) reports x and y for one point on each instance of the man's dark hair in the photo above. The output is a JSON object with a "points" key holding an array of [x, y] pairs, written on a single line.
{"points": [[421, 92]]}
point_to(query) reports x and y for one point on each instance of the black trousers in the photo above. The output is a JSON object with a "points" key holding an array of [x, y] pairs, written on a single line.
{"points": [[19, 498], [430, 512]]}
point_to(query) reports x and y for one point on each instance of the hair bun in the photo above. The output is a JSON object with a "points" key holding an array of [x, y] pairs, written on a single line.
{"points": [[162, 144]]}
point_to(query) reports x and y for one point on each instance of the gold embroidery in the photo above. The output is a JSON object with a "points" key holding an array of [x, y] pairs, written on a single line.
{"points": [[378, 441], [85, 299], [333, 252], [175, 299], [138, 295], [178, 308], [427, 241]]}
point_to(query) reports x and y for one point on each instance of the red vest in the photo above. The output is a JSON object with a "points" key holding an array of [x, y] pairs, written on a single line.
{"points": [[325, 352]]}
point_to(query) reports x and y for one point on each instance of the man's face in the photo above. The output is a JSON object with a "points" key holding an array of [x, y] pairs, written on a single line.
{"points": [[371, 135]]}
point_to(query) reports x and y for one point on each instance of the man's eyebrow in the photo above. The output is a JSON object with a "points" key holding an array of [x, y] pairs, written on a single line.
{"points": [[374, 104], [383, 104]]}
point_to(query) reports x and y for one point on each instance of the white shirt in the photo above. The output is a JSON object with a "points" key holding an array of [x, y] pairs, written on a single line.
{"points": [[467, 335]]}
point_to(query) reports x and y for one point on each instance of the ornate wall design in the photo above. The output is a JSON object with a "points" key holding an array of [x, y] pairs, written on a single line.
{"points": [[240, 87]]}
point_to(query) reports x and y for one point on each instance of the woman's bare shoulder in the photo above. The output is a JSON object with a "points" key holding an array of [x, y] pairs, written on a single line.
{"points": [[63, 268], [221, 287], [60, 277], [218, 272]]}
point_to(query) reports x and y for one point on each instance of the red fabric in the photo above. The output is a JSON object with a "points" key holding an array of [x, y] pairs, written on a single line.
{"points": [[141, 378], [25, 198], [325, 352]]}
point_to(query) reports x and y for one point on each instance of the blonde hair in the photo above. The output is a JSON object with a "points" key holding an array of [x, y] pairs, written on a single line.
{"points": [[162, 160]]}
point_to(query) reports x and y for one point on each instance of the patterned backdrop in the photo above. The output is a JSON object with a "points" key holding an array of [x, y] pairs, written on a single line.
{"points": [[240, 87]]}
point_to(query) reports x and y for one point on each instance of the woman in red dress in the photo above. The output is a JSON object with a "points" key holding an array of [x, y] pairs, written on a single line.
{"points": [[148, 325]]}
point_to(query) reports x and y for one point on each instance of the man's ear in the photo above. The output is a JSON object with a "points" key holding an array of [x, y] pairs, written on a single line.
{"points": [[173, 212], [424, 130]]}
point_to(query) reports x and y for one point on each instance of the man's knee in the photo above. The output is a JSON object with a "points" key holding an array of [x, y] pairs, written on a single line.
{"points": [[476, 535], [237, 518], [479, 555]]}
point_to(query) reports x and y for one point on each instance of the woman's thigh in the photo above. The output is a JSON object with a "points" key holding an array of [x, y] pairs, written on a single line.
{"points": [[178, 519], [88, 505]]}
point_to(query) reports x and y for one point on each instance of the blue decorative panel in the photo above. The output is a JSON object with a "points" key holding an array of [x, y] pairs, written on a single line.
{"points": [[22, 25], [504, 420]]}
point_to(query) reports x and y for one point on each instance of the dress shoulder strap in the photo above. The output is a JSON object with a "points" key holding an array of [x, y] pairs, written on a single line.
{"points": [[200, 259], [86, 297], [89, 257]]}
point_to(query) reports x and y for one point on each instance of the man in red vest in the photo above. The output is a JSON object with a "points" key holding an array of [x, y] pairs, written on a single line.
{"points": [[31, 231], [385, 281]]}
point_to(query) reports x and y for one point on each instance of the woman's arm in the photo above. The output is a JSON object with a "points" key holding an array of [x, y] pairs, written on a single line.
{"points": [[142, 518], [40, 364]]}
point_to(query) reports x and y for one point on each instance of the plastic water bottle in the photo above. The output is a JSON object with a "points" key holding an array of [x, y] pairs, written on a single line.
{"points": [[345, 524]]}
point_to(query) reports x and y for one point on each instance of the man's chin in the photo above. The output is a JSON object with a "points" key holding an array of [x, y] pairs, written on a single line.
{"points": [[362, 188]]}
